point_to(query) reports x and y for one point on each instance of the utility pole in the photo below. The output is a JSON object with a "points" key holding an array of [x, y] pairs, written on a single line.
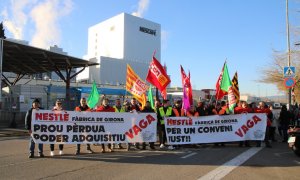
{"points": [[288, 48]]}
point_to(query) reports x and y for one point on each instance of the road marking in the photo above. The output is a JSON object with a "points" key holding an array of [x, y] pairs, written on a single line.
{"points": [[279, 154], [227, 167], [189, 155]]}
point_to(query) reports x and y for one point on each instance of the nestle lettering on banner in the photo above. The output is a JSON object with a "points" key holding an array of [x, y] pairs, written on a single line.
{"points": [[53, 116], [182, 121], [72, 127], [209, 129]]}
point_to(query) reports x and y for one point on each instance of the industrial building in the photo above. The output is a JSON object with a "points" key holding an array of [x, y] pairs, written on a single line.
{"points": [[121, 40]]}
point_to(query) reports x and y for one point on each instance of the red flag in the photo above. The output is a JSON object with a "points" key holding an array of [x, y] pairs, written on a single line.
{"points": [[187, 90], [157, 76], [219, 92]]}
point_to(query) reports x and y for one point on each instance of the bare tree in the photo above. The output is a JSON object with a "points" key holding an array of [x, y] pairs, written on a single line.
{"points": [[273, 73]]}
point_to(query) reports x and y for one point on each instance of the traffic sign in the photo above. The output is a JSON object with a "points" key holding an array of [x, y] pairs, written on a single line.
{"points": [[289, 82], [289, 71]]}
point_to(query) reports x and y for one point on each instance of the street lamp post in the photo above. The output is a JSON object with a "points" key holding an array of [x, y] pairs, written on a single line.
{"points": [[288, 48]]}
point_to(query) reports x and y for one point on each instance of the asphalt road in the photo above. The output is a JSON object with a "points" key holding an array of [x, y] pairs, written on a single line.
{"points": [[206, 162]]}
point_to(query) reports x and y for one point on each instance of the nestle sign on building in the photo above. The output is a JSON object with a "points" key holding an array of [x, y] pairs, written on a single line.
{"points": [[148, 31]]}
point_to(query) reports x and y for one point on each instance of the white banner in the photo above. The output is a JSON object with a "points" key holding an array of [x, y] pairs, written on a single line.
{"points": [[209, 129], [71, 127]]}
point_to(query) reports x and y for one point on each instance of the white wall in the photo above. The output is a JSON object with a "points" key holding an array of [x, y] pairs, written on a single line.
{"points": [[107, 38], [118, 41], [113, 71], [139, 45]]}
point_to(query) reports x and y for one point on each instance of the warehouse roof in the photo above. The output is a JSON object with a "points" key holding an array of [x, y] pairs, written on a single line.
{"points": [[23, 59]]}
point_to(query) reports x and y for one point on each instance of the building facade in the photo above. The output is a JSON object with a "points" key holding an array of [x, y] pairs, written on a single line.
{"points": [[118, 41]]}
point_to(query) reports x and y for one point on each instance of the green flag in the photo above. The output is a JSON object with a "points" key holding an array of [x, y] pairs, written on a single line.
{"points": [[226, 81], [150, 97], [226, 85], [93, 97]]}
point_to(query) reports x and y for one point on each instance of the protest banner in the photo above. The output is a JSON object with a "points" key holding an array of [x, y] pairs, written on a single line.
{"points": [[210, 129], [71, 127]]}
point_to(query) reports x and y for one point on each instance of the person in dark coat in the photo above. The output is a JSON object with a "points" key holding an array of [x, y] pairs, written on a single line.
{"points": [[28, 119], [284, 121]]}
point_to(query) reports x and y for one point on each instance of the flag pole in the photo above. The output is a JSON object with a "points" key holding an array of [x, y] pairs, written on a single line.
{"points": [[156, 93]]}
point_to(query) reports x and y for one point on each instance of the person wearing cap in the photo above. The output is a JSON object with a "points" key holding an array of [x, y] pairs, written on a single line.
{"points": [[165, 111], [83, 107], [105, 107], [57, 107], [28, 119]]}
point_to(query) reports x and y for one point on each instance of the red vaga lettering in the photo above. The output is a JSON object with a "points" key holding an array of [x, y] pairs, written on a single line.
{"points": [[249, 124], [52, 116], [141, 125]]}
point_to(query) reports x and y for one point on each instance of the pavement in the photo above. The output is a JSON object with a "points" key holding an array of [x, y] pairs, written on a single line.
{"points": [[7, 132]]}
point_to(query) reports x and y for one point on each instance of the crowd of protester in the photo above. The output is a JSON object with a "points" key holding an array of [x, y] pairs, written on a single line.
{"points": [[276, 124]]}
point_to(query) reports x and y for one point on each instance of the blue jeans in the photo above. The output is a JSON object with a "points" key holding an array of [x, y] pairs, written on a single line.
{"points": [[32, 146]]}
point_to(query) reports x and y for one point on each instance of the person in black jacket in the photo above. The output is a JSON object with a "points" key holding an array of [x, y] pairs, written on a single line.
{"points": [[284, 121], [36, 106]]}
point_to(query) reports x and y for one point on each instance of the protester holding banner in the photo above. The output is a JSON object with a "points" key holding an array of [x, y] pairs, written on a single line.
{"points": [[119, 109], [224, 110], [264, 109], [28, 118], [201, 109], [148, 109], [243, 108], [105, 107], [165, 111], [83, 107], [192, 112], [238, 109], [134, 107], [213, 109], [178, 111], [57, 107]]}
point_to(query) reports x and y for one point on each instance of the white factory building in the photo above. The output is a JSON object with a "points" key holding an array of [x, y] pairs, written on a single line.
{"points": [[121, 40]]}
